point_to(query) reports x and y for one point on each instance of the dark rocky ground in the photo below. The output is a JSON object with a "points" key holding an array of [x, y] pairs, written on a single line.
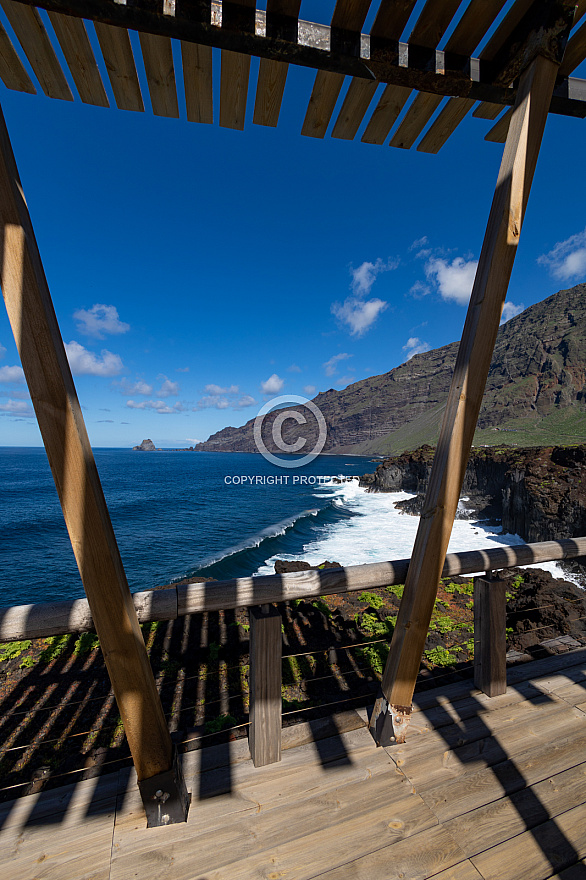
{"points": [[58, 719]]}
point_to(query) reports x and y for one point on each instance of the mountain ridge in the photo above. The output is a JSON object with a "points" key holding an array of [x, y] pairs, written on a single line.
{"points": [[535, 392]]}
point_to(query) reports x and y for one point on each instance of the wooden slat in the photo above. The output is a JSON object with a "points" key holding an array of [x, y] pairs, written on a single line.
{"points": [[75, 45], [234, 89], [160, 72], [117, 51], [420, 112], [575, 51], [391, 19], [555, 844], [272, 75], [265, 685], [468, 382], [391, 102], [357, 101], [323, 99], [486, 110], [348, 15], [498, 133], [12, 72], [469, 31], [496, 42], [235, 72], [445, 125], [197, 79], [30, 30], [429, 28]]}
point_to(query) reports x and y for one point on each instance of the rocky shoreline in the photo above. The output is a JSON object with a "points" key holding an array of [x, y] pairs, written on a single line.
{"points": [[538, 493]]}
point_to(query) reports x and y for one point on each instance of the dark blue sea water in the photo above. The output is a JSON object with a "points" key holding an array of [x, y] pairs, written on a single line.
{"points": [[173, 513]]}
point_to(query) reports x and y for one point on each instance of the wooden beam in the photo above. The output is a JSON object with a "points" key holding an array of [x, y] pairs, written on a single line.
{"points": [[234, 89], [498, 133], [12, 71], [60, 419], [160, 73], [30, 30], [80, 58], [465, 396], [265, 685], [117, 51], [490, 636], [197, 79], [445, 125], [58, 618]]}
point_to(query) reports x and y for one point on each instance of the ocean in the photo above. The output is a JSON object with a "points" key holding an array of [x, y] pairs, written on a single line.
{"points": [[178, 514]]}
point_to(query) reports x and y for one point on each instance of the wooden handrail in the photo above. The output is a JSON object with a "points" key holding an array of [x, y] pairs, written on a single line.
{"points": [[60, 618]]}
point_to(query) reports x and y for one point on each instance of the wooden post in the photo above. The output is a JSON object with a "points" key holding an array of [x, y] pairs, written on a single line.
{"points": [[490, 635], [265, 685], [54, 398], [465, 397]]}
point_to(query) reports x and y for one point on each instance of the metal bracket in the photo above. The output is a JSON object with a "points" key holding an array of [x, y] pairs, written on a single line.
{"points": [[388, 723], [165, 797]]}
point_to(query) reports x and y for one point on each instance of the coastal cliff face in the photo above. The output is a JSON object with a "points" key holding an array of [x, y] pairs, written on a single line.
{"points": [[539, 493], [535, 392]]}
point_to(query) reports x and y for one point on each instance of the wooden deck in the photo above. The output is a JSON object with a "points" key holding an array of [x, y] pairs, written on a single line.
{"points": [[484, 788]]}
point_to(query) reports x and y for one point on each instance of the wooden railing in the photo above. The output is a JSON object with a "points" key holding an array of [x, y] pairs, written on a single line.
{"points": [[259, 593]]}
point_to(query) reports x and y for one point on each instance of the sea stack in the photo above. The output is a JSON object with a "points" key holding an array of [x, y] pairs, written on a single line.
{"points": [[146, 446]]}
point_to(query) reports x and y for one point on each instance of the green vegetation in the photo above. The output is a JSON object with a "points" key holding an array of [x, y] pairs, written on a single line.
{"points": [[463, 589], [372, 600], [375, 656], [321, 606], [12, 650], [443, 623], [440, 656], [396, 590], [56, 645], [220, 723], [85, 643]]}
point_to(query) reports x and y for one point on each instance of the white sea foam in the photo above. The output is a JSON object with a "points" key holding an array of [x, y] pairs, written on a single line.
{"points": [[381, 532]]}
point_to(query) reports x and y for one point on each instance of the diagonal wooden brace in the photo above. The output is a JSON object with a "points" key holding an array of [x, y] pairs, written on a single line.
{"points": [[470, 373]]}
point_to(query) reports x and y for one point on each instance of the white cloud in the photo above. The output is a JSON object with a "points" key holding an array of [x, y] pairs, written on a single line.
{"points": [[419, 290], [11, 375], [294, 369], [358, 314], [2, 351], [220, 401], [218, 389], [158, 406], [183, 370], [100, 320], [419, 243], [568, 258], [454, 280], [83, 362], [331, 366], [272, 385], [193, 440], [168, 388], [17, 408], [510, 310], [310, 389], [414, 346], [365, 275], [138, 387]]}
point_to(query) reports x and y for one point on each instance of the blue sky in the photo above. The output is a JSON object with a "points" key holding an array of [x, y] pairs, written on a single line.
{"points": [[198, 271]]}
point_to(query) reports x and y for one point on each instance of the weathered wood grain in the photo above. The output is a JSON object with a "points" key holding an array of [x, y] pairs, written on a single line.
{"points": [[160, 72], [490, 637], [119, 60], [198, 82], [235, 72], [30, 30], [265, 685], [498, 133], [75, 45], [533, 855], [12, 71], [445, 125]]}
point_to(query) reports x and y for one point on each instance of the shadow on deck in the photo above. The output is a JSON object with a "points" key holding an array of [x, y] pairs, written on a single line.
{"points": [[483, 788]]}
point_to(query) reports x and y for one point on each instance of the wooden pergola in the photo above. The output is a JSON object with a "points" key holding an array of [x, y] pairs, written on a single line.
{"points": [[523, 69]]}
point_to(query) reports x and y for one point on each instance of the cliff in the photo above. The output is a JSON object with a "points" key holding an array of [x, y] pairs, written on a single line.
{"points": [[538, 493], [535, 393]]}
